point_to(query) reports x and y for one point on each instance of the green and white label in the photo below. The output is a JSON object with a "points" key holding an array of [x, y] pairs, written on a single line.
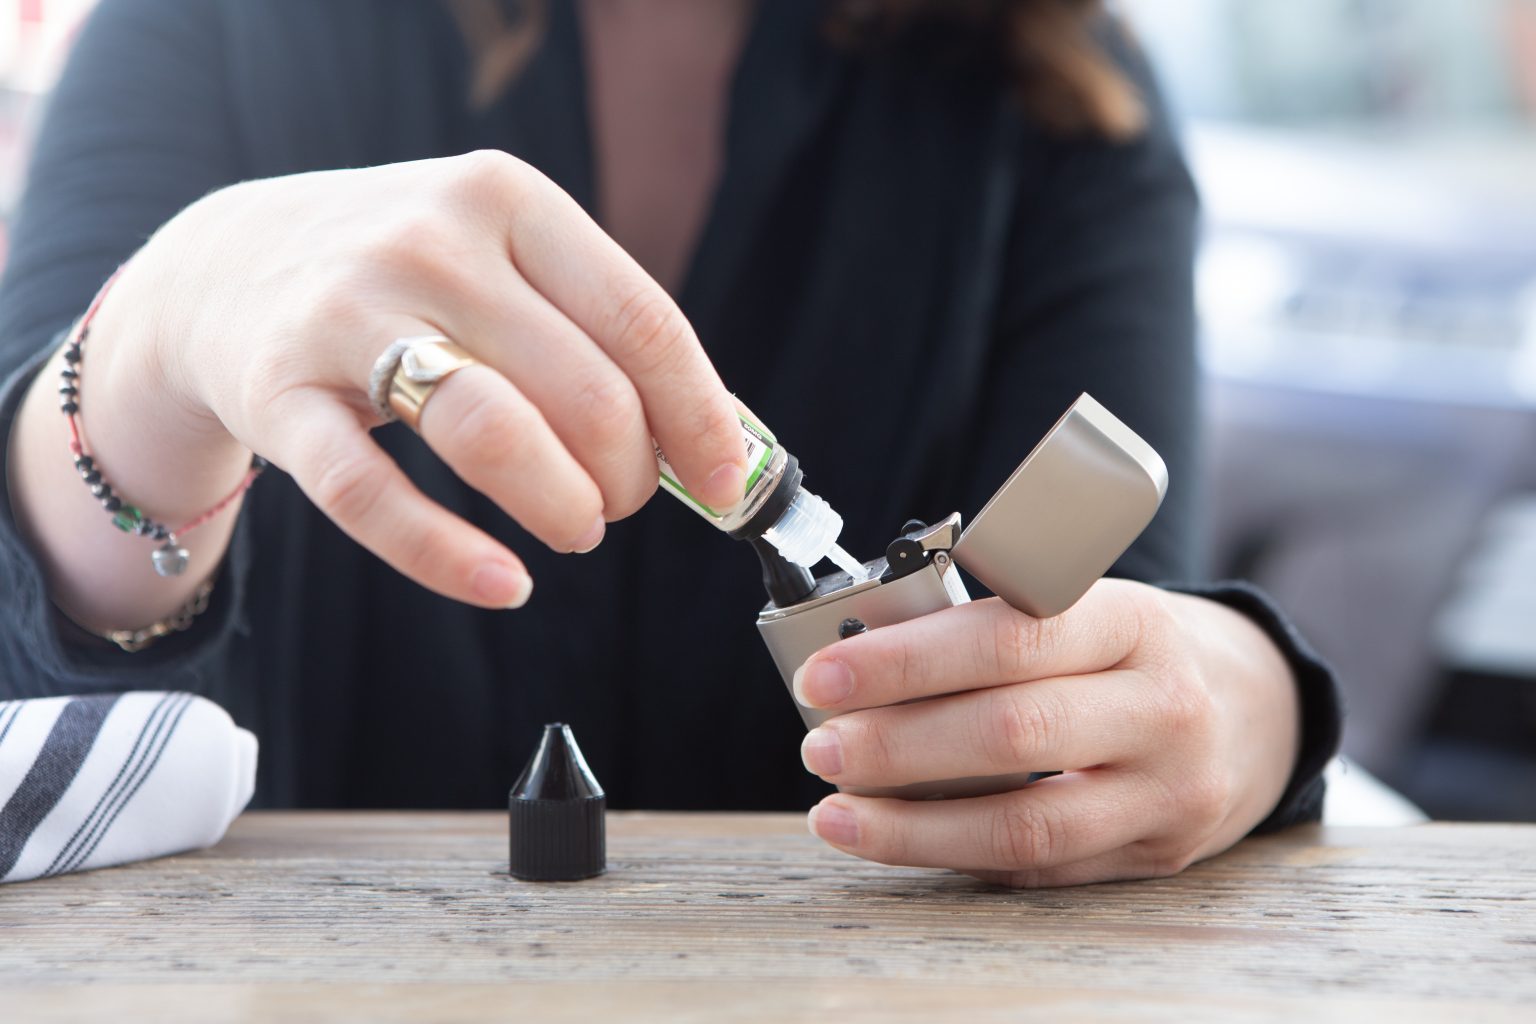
{"points": [[760, 445]]}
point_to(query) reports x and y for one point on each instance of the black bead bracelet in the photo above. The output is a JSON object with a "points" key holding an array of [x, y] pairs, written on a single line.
{"points": [[170, 558]]}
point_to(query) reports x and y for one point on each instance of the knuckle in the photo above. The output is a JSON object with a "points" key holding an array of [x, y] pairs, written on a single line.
{"points": [[399, 239], [871, 746], [1026, 835], [898, 663], [489, 180], [346, 487], [1189, 710], [888, 842], [1186, 708], [1151, 609], [1018, 642], [714, 427], [1205, 797], [1170, 866], [1165, 861], [1015, 729], [910, 667], [486, 169], [650, 331], [608, 409], [431, 548], [625, 490], [483, 427], [1152, 625], [625, 497]]}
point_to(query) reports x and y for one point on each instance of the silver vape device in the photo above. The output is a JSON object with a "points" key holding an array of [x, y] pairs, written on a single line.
{"points": [[1055, 526]]}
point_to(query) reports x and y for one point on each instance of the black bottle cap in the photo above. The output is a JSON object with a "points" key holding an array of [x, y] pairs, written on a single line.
{"points": [[556, 809], [790, 478]]}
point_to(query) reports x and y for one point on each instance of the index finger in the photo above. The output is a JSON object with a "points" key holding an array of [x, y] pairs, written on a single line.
{"points": [[970, 646], [565, 255]]}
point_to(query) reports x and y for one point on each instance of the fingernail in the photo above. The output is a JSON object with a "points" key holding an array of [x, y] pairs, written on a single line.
{"points": [[725, 487], [822, 752], [820, 684], [500, 586], [592, 538], [835, 824]]}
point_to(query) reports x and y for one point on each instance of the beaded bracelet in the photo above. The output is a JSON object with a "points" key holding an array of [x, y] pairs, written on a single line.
{"points": [[170, 558]]}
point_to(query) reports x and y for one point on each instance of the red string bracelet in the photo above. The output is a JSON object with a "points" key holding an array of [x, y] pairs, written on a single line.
{"points": [[170, 558]]}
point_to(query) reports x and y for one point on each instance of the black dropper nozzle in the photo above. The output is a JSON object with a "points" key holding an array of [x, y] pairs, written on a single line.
{"points": [[786, 582], [557, 809]]}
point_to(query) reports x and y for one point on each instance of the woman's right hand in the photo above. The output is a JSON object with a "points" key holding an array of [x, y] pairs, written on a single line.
{"points": [[261, 309]]}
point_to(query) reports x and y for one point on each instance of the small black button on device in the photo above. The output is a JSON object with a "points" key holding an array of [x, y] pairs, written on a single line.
{"points": [[557, 811]]}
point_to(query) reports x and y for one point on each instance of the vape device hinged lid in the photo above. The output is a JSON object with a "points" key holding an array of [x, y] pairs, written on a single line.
{"points": [[1073, 506]]}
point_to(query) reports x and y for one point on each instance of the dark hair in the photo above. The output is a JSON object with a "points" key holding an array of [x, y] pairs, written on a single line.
{"points": [[1044, 49]]}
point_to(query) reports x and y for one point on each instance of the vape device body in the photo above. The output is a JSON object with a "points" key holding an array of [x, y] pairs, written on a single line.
{"points": [[1055, 527]]}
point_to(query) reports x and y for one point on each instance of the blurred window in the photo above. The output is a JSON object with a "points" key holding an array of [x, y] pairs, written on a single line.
{"points": [[1346, 63]]}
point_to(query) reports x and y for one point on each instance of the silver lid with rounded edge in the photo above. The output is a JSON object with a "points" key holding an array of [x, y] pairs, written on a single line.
{"points": [[1067, 513]]}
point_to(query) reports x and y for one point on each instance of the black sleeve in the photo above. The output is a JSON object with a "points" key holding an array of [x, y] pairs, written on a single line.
{"points": [[136, 130], [1098, 296]]}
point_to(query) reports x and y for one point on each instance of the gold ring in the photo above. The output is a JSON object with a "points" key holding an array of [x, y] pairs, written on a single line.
{"points": [[423, 364]]}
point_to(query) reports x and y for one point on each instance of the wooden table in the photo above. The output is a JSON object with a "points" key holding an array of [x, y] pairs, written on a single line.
{"points": [[394, 917]]}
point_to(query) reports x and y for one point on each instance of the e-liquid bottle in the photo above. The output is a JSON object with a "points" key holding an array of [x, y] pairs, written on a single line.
{"points": [[800, 526]]}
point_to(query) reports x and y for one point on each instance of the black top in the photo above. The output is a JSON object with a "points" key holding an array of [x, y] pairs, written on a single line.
{"points": [[907, 279]]}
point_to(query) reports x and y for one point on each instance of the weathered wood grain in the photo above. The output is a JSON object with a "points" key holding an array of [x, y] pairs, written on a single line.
{"points": [[735, 917]]}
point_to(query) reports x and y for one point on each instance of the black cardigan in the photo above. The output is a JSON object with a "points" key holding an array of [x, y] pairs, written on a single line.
{"points": [[906, 278]]}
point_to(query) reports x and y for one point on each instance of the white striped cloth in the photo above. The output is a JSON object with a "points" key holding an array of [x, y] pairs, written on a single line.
{"points": [[86, 782]]}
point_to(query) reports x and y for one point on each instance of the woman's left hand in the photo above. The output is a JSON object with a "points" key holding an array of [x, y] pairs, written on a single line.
{"points": [[1173, 719]]}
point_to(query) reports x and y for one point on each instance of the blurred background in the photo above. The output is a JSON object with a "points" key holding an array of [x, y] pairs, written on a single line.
{"points": [[34, 37], [1367, 291]]}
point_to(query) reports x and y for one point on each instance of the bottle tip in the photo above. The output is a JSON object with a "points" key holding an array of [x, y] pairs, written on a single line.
{"points": [[806, 530], [557, 770]]}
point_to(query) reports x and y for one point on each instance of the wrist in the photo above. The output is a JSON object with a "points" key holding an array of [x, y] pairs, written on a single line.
{"points": [[1255, 692], [138, 349], [1320, 712], [1321, 719], [142, 413]]}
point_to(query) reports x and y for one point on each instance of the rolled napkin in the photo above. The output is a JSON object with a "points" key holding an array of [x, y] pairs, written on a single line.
{"points": [[87, 782]]}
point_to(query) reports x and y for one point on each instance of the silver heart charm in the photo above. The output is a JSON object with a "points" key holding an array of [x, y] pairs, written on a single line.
{"points": [[427, 361], [171, 560]]}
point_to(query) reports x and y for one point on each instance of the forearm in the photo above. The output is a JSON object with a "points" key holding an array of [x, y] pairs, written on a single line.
{"points": [[155, 451]]}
